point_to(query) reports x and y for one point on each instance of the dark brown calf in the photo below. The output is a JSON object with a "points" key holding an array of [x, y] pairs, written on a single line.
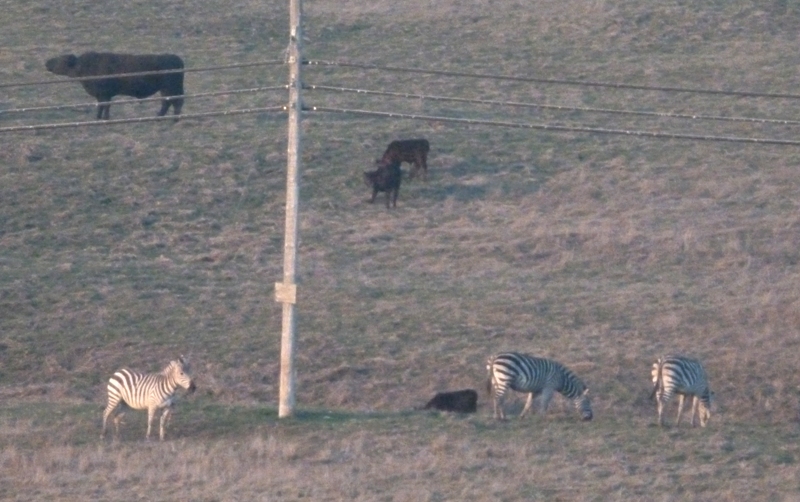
{"points": [[414, 151], [460, 401], [385, 179], [93, 64]]}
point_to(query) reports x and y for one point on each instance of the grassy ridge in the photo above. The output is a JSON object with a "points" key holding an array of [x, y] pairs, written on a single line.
{"points": [[127, 245]]}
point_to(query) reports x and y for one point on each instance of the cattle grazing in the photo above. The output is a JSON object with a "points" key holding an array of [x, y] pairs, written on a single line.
{"points": [[93, 64], [414, 151], [385, 179], [460, 401]]}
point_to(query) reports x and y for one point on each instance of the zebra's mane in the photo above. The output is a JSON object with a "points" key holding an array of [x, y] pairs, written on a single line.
{"points": [[172, 367]]}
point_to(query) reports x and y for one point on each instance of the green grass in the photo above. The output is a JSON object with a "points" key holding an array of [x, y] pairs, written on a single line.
{"points": [[128, 245]]}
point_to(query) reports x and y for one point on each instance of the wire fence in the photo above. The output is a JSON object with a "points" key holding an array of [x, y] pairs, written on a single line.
{"points": [[583, 83], [90, 123], [142, 74], [566, 108], [145, 100], [558, 128], [489, 122]]}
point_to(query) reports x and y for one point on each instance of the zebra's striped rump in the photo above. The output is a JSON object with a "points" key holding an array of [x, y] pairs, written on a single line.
{"points": [[686, 377], [147, 391], [534, 376]]}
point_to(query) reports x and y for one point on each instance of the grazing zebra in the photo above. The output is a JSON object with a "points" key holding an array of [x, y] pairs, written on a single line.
{"points": [[686, 377], [149, 391], [534, 375]]}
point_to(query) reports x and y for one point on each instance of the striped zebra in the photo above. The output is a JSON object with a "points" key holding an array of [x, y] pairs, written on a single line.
{"points": [[146, 391], [534, 375], [684, 376]]}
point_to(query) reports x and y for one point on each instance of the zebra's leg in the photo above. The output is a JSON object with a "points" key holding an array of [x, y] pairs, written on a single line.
{"points": [[117, 422], [164, 421], [113, 403], [680, 408], [108, 411], [498, 406], [150, 414], [695, 401], [528, 404], [661, 401], [547, 395]]}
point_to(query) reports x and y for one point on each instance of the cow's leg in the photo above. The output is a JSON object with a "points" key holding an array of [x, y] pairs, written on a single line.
{"points": [[164, 107], [103, 109], [177, 104]]}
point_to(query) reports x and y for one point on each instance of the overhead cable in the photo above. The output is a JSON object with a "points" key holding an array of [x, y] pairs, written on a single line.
{"points": [[586, 83], [144, 100], [559, 128], [551, 107], [142, 73], [64, 125]]}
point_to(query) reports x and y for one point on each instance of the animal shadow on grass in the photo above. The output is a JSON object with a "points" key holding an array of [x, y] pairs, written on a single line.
{"points": [[460, 401]]}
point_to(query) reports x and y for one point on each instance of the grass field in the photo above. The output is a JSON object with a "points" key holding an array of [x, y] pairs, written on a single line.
{"points": [[129, 244]]}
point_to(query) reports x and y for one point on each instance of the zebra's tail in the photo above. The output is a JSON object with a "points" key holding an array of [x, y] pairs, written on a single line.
{"points": [[657, 377], [489, 366]]}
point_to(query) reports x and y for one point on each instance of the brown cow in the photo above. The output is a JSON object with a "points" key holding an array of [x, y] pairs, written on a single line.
{"points": [[92, 64], [414, 151], [385, 179]]}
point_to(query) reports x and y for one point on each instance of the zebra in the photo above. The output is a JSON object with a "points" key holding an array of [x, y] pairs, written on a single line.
{"points": [[146, 391], [534, 375], [674, 374]]}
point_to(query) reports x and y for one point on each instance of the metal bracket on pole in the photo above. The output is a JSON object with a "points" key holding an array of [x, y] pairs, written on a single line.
{"points": [[285, 293]]}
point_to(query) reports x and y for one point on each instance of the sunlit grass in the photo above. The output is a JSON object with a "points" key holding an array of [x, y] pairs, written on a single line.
{"points": [[129, 245]]}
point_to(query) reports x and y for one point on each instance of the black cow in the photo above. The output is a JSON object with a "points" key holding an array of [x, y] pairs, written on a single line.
{"points": [[414, 151], [385, 179], [461, 401], [92, 64]]}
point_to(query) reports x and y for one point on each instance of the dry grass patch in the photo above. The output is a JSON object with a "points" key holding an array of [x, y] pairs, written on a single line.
{"points": [[128, 245]]}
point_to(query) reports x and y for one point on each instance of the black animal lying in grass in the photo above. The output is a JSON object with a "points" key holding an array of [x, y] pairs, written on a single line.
{"points": [[460, 401], [385, 179], [414, 151], [92, 64]]}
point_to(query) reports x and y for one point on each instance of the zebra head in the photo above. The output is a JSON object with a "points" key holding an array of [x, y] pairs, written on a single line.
{"points": [[179, 372], [584, 406]]}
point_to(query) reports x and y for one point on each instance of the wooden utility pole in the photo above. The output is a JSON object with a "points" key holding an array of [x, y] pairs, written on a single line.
{"points": [[286, 292]]}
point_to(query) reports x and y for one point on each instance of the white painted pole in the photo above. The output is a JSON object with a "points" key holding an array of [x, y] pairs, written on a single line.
{"points": [[286, 292]]}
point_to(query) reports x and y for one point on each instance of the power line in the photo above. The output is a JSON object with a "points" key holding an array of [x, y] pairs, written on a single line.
{"points": [[551, 107], [559, 128], [64, 125], [144, 100], [586, 83], [518, 125], [143, 73]]}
